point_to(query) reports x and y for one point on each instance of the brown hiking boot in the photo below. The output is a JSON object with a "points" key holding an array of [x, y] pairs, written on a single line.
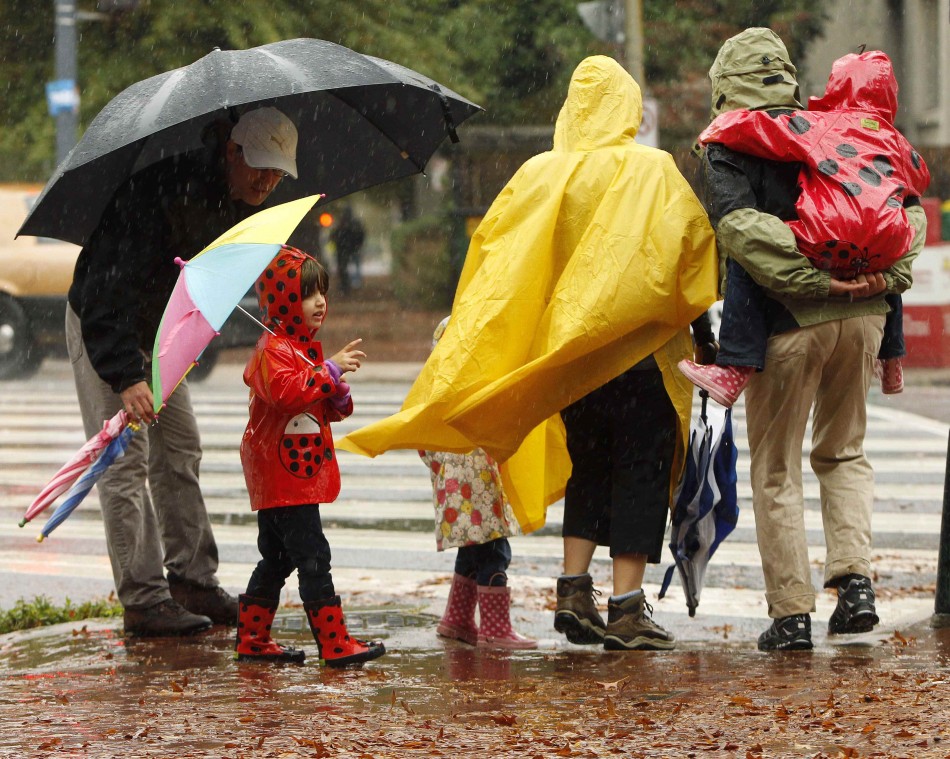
{"points": [[212, 601], [630, 627], [576, 615], [167, 618]]}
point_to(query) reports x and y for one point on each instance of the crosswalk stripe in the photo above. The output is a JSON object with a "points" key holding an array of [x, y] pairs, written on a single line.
{"points": [[384, 513]]}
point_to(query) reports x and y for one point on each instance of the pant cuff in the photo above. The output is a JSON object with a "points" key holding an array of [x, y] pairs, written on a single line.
{"points": [[798, 599], [841, 567]]}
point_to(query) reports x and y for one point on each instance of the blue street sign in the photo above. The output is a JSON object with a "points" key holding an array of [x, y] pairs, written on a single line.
{"points": [[62, 96]]}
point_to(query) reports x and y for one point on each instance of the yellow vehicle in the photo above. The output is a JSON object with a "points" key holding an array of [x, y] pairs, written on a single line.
{"points": [[35, 274]]}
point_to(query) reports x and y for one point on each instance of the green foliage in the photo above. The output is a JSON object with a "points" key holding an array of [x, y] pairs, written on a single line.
{"points": [[422, 274], [41, 611], [512, 58]]}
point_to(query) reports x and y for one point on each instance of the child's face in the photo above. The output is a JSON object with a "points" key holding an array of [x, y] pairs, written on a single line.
{"points": [[314, 310]]}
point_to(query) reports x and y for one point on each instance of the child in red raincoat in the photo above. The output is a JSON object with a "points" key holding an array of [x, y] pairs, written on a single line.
{"points": [[858, 175], [290, 465]]}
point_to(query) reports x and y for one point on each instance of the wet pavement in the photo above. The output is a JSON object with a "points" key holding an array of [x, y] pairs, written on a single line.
{"points": [[83, 690]]}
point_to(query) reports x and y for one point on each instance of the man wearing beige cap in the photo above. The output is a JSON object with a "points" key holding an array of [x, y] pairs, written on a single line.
{"points": [[153, 512]]}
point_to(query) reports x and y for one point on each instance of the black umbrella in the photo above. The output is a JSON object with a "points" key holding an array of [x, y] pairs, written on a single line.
{"points": [[361, 121]]}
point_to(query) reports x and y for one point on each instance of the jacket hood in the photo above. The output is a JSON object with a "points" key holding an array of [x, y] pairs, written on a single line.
{"points": [[863, 82], [752, 70], [603, 107], [278, 293]]}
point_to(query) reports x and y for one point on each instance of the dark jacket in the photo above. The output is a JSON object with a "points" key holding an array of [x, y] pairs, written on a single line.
{"points": [[126, 272]]}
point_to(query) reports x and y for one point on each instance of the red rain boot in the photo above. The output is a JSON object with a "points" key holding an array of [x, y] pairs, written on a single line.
{"points": [[494, 630], [254, 642], [337, 648], [458, 621], [723, 383]]}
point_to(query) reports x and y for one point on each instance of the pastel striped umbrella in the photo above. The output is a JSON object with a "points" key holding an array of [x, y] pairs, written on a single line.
{"points": [[84, 484], [211, 284], [72, 469]]}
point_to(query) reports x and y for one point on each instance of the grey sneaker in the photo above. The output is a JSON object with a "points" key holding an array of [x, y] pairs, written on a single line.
{"points": [[792, 633], [855, 612], [213, 602], [631, 628], [576, 615], [164, 619]]}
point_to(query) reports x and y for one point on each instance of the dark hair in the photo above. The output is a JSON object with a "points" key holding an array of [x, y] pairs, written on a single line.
{"points": [[313, 278]]}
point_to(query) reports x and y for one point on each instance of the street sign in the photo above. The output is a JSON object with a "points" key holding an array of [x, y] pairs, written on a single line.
{"points": [[604, 18], [62, 96]]}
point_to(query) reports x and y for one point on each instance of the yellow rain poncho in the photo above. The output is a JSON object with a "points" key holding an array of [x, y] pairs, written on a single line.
{"points": [[595, 255]]}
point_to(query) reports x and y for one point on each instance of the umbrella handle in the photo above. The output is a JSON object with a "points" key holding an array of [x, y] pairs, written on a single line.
{"points": [[446, 112]]}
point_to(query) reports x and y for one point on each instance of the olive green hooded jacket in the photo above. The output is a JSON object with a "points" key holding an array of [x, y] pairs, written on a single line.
{"points": [[752, 70]]}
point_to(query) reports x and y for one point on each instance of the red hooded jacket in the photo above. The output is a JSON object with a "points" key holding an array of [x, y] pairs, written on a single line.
{"points": [[857, 169], [287, 449]]}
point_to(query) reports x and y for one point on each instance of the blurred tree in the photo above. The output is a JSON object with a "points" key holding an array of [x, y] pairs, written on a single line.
{"points": [[515, 59], [682, 40]]}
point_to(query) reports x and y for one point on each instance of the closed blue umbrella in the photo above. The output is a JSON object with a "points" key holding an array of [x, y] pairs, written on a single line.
{"points": [[706, 507]]}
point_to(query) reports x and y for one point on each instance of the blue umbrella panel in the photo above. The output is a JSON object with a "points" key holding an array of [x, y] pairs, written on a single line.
{"points": [[706, 507]]}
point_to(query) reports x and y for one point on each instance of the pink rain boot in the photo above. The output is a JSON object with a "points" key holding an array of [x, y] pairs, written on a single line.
{"points": [[494, 629], [723, 383], [458, 621], [892, 376]]}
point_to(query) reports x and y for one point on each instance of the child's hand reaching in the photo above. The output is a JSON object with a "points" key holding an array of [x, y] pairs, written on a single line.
{"points": [[348, 359]]}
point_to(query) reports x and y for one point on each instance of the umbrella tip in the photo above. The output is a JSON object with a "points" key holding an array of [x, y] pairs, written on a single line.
{"points": [[23, 523], [39, 538]]}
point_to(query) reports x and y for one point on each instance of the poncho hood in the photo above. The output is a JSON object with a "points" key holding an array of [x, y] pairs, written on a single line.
{"points": [[862, 82], [753, 71], [603, 107]]}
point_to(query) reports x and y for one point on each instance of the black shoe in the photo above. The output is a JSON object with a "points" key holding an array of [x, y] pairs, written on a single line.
{"points": [[167, 618], [213, 602], [855, 612], [787, 634]]}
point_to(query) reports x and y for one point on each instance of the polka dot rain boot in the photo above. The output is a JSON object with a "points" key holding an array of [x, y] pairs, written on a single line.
{"points": [[254, 643], [337, 648], [458, 621], [723, 383], [494, 614]]}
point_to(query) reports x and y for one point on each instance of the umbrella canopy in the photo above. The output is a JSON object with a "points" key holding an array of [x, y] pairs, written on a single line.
{"points": [[210, 286], [706, 506], [361, 121]]}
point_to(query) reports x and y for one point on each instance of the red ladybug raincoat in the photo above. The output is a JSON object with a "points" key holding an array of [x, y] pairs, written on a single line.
{"points": [[857, 169], [287, 450]]}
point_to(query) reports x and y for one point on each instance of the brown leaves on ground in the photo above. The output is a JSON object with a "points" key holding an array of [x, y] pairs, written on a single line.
{"points": [[469, 703]]}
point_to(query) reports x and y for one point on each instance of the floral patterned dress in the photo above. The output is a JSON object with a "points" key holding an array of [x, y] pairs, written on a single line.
{"points": [[470, 504]]}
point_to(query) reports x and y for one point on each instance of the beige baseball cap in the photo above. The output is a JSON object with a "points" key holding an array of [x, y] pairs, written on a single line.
{"points": [[268, 139]]}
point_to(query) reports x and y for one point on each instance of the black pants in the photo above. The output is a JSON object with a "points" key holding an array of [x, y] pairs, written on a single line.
{"points": [[486, 562], [289, 538], [747, 322], [621, 438]]}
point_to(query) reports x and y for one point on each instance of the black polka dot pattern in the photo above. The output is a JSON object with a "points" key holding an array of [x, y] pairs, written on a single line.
{"points": [[846, 151], [829, 166], [851, 188], [869, 176], [799, 124]]}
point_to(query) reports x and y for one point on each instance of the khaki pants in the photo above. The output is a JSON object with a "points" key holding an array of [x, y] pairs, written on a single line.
{"points": [[144, 534], [828, 366]]}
